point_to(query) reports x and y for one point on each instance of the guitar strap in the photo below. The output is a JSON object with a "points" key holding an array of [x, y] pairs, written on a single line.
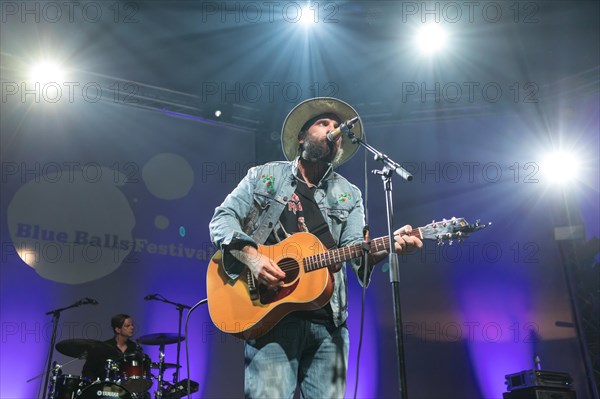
{"points": [[316, 225]]}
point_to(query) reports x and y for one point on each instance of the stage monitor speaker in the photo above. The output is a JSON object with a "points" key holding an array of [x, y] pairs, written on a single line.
{"points": [[540, 393]]}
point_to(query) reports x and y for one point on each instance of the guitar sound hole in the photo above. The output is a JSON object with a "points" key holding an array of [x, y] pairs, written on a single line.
{"points": [[290, 267]]}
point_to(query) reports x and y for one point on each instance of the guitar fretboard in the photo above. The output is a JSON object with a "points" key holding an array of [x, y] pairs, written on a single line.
{"points": [[340, 255]]}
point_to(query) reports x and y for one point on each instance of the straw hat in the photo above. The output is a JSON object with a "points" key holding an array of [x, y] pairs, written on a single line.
{"points": [[314, 107]]}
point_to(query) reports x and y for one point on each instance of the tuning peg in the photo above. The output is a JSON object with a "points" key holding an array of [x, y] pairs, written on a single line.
{"points": [[461, 240], [477, 222], [450, 242]]}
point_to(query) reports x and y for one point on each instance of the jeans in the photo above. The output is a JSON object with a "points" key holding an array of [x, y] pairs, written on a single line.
{"points": [[297, 352]]}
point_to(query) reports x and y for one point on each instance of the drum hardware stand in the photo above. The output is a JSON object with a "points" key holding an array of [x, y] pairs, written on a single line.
{"points": [[390, 167], [162, 385], [110, 366], [55, 316], [161, 370], [180, 308], [56, 371]]}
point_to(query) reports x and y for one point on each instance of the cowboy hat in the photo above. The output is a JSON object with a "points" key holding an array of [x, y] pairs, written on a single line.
{"points": [[312, 108]]}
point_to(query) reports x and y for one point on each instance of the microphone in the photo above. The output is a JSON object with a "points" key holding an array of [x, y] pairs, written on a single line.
{"points": [[150, 297], [345, 127]]}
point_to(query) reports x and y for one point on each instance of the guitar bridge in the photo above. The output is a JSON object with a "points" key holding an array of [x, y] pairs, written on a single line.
{"points": [[252, 290]]}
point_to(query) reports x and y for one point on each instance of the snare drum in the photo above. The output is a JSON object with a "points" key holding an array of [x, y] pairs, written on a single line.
{"points": [[105, 389], [68, 386], [134, 369]]}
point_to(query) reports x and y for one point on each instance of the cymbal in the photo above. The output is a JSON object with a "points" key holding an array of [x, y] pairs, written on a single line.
{"points": [[160, 339], [156, 365], [83, 348]]}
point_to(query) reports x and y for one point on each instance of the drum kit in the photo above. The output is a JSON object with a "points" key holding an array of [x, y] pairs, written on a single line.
{"points": [[127, 375]]}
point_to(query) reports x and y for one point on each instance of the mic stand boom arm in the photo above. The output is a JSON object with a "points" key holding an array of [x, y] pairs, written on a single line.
{"points": [[48, 367], [180, 308], [390, 167], [390, 164]]}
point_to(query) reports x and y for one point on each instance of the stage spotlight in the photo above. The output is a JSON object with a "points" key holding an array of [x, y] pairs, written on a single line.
{"points": [[218, 113], [560, 167], [431, 38], [47, 72], [307, 18]]}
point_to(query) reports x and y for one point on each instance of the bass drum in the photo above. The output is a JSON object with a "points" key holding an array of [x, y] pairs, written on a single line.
{"points": [[68, 386], [105, 389]]}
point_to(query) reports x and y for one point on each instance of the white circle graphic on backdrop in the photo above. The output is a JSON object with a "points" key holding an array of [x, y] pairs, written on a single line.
{"points": [[72, 227], [168, 176], [161, 222]]}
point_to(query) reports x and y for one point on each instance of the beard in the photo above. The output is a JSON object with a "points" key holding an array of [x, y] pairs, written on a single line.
{"points": [[314, 150]]}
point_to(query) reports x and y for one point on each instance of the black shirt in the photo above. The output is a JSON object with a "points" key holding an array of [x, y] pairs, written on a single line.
{"points": [[303, 214], [94, 366]]}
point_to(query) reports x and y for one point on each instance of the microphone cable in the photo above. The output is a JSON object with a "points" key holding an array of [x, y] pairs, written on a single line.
{"points": [[365, 271], [187, 352]]}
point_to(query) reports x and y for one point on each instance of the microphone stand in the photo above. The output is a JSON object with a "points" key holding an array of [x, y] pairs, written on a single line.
{"points": [[48, 367], [390, 167], [180, 308]]}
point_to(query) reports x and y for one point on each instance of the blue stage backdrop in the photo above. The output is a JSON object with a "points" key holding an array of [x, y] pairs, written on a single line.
{"points": [[110, 203], [113, 203]]}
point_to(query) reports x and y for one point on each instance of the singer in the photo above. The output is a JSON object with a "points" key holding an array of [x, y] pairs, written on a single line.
{"points": [[306, 350]]}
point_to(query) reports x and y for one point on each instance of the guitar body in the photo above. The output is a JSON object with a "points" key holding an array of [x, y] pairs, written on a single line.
{"points": [[241, 308], [247, 311]]}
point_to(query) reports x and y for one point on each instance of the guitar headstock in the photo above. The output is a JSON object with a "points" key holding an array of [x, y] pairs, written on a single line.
{"points": [[449, 230]]}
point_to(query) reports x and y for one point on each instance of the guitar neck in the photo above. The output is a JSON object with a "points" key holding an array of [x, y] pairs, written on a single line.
{"points": [[340, 255]]}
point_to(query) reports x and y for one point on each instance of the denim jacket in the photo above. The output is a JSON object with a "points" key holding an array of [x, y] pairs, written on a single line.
{"points": [[252, 210]]}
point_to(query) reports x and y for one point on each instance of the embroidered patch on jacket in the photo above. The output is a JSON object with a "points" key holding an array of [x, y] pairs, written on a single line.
{"points": [[269, 182], [344, 197], [294, 204]]}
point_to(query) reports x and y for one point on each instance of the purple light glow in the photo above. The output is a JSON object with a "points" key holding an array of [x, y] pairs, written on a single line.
{"points": [[492, 361], [496, 308], [368, 374], [29, 357]]}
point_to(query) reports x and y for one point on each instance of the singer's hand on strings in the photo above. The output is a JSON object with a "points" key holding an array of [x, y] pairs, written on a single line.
{"points": [[264, 269], [404, 242], [267, 273]]}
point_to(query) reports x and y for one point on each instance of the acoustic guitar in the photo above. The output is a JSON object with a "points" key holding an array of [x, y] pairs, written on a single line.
{"points": [[248, 310]]}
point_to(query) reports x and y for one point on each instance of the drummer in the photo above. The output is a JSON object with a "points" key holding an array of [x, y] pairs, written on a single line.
{"points": [[123, 329]]}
